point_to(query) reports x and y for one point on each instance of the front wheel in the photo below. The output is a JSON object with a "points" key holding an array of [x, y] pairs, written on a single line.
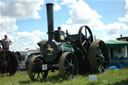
{"points": [[68, 65], [35, 71]]}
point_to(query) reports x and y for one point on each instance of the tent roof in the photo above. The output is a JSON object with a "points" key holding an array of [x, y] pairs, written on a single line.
{"points": [[116, 43], [126, 37]]}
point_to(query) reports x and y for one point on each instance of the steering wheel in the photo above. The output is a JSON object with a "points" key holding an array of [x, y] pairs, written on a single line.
{"points": [[85, 38]]}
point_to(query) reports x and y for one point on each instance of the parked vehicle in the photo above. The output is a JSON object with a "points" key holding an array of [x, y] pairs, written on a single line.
{"points": [[69, 53]]}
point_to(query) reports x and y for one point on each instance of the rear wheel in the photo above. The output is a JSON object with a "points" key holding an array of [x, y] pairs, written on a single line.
{"points": [[98, 57], [68, 65], [35, 71], [8, 63]]}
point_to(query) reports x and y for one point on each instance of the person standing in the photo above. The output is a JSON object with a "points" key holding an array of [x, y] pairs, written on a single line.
{"points": [[6, 42]]}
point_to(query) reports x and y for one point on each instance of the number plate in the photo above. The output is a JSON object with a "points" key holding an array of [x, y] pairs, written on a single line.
{"points": [[44, 67]]}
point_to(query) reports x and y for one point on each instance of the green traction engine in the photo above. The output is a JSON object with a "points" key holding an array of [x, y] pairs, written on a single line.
{"points": [[70, 54]]}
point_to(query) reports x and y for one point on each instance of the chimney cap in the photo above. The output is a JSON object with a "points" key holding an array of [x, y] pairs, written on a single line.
{"points": [[49, 4]]}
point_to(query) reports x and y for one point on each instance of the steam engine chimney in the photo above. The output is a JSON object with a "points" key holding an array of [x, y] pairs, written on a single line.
{"points": [[50, 21]]}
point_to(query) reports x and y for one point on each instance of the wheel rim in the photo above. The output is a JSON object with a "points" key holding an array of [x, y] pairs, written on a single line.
{"points": [[85, 38], [98, 57], [102, 57], [68, 65], [35, 69]]}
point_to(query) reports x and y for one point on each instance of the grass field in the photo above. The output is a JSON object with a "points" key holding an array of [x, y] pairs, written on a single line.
{"points": [[111, 77]]}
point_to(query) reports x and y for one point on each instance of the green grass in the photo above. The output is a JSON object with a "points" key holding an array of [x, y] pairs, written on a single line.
{"points": [[111, 77]]}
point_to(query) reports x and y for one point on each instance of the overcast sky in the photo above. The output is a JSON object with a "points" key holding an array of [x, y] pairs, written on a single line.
{"points": [[25, 21]]}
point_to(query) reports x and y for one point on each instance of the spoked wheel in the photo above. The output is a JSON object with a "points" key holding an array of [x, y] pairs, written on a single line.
{"points": [[85, 38], [8, 63], [98, 57], [68, 65], [35, 71]]}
